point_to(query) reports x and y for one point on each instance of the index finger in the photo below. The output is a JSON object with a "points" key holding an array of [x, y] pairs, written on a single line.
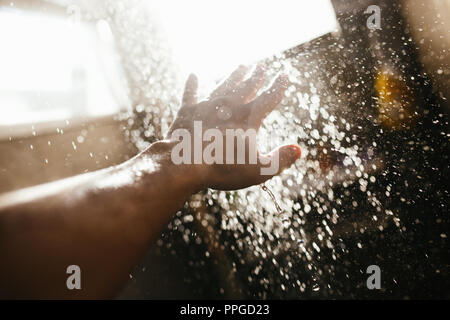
{"points": [[268, 100]]}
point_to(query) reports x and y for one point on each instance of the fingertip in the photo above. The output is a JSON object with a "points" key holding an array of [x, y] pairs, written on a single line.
{"points": [[283, 157], [242, 69], [192, 78], [190, 90], [295, 151], [289, 154], [260, 68]]}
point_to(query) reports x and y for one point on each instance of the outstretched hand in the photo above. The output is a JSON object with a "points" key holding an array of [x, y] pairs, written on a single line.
{"points": [[234, 105]]}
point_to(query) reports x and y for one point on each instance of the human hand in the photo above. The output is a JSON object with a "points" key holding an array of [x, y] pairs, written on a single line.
{"points": [[231, 114]]}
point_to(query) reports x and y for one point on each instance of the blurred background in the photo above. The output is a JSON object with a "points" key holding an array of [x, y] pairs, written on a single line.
{"points": [[88, 84]]}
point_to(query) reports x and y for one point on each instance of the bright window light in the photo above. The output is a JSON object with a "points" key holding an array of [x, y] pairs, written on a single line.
{"points": [[211, 37], [51, 69]]}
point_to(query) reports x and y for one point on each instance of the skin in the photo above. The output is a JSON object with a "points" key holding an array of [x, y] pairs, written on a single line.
{"points": [[106, 220]]}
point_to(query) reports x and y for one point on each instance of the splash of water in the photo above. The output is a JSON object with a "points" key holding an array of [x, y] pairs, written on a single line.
{"points": [[295, 244]]}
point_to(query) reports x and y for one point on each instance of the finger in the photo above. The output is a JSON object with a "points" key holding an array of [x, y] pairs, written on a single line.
{"points": [[267, 101], [230, 84], [248, 89], [190, 91], [278, 160]]}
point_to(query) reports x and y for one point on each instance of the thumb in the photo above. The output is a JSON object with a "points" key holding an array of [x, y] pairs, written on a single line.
{"points": [[278, 160], [190, 91]]}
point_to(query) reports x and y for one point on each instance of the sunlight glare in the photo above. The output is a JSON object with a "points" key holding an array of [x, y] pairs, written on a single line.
{"points": [[210, 38]]}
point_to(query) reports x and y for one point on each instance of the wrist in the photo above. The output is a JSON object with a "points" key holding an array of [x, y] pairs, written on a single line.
{"points": [[183, 177]]}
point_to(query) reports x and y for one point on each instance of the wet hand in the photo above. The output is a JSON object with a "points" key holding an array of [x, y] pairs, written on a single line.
{"points": [[215, 130]]}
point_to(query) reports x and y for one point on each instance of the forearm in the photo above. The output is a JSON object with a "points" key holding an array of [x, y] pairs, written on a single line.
{"points": [[103, 222]]}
